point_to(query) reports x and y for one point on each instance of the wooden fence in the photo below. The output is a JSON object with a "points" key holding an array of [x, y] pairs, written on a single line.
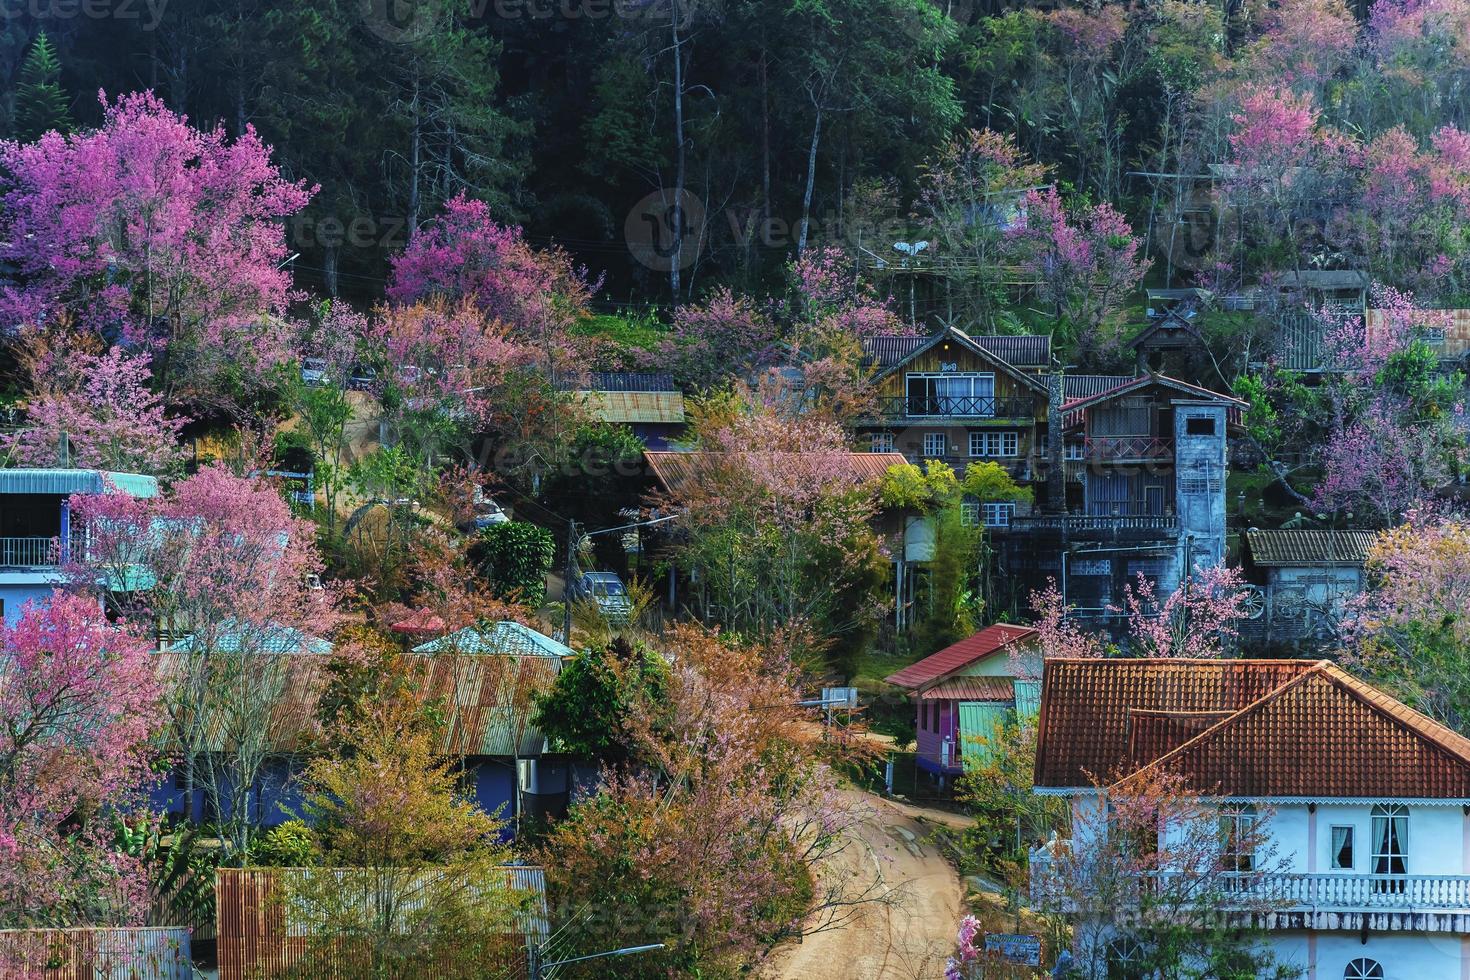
{"points": [[259, 937], [152, 953]]}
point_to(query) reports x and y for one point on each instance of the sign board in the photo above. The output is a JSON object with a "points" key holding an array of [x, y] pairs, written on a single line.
{"points": [[1015, 947], [839, 697]]}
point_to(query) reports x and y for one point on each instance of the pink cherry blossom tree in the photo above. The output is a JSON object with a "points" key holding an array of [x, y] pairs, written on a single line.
{"points": [[723, 336], [103, 406], [1086, 260], [464, 254], [148, 225], [1198, 619], [229, 578], [79, 709]]}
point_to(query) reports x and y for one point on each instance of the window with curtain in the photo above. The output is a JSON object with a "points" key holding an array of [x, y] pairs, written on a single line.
{"points": [[1237, 839], [1390, 845], [1342, 848], [951, 394]]}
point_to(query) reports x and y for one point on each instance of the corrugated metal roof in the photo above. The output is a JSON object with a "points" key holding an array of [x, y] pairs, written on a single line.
{"points": [[1308, 547], [1453, 324], [676, 470], [502, 638], [1018, 350], [100, 953], [959, 655], [269, 638], [630, 381], [1076, 386], [628, 407], [64, 481], [970, 689]]}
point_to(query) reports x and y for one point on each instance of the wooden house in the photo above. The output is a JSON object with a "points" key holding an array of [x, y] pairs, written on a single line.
{"points": [[966, 692], [960, 399]]}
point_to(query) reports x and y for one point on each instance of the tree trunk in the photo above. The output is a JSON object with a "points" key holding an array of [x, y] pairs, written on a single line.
{"points": [[811, 180], [676, 213], [329, 269], [415, 153]]}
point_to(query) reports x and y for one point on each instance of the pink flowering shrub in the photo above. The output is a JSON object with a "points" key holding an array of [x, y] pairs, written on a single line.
{"points": [[103, 404], [80, 705]]}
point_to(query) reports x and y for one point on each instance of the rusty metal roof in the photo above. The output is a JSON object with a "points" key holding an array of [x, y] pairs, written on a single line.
{"points": [[1308, 546], [970, 689], [1243, 728], [628, 407], [1454, 324]]}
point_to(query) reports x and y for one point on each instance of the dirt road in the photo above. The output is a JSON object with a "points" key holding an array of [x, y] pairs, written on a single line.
{"points": [[908, 933]]}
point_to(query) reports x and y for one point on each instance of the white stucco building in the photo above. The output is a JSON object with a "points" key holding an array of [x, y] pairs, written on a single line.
{"points": [[1365, 802]]}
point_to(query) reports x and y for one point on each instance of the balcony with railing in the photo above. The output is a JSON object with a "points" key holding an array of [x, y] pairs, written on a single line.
{"points": [[932, 407], [1431, 903], [30, 552], [1094, 526]]}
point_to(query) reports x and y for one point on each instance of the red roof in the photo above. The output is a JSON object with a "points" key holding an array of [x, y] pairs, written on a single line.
{"points": [[959, 655], [1247, 728]]}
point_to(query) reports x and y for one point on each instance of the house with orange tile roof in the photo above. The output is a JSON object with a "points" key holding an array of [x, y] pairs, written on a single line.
{"points": [[964, 692], [1365, 802]]}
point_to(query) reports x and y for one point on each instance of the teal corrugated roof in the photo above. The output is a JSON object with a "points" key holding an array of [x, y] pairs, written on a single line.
{"points": [[502, 638], [76, 481], [263, 639]]}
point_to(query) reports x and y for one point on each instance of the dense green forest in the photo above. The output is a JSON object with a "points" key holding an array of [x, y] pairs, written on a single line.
{"points": [[783, 120]]}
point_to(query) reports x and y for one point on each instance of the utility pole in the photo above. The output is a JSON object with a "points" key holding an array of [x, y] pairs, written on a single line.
{"points": [[566, 589]]}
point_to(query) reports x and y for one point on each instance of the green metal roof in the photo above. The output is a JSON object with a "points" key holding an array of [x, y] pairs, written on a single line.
{"points": [[68, 482], [502, 638]]}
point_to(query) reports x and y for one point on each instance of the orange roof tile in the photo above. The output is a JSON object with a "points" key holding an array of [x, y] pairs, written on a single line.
{"points": [[959, 655], [1312, 730], [675, 470]]}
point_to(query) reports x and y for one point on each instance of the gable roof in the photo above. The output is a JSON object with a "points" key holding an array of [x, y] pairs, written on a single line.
{"points": [[1243, 728], [1021, 350], [973, 346], [504, 638], [1288, 546], [1077, 386], [1148, 381], [958, 656], [676, 470], [630, 381], [1175, 330]]}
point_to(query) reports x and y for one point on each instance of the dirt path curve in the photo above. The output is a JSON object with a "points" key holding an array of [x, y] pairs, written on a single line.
{"points": [[906, 936]]}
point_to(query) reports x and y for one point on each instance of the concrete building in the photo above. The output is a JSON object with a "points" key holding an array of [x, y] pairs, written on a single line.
{"points": [[36, 534], [1364, 803]]}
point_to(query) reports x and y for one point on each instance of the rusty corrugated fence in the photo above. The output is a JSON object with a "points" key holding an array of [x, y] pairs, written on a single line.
{"points": [[143, 953], [258, 938]]}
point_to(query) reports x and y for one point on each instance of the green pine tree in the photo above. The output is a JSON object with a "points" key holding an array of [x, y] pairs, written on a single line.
{"points": [[40, 102]]}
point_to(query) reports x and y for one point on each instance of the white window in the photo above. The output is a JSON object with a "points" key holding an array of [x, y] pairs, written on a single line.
{"points": [[1363, 968], [969, 511], [1073, 450], [950, 394], [1390, 846], [995, 443], [1342, 848], [999, 515], [936, 444], [882, 442], [1237, 839]]}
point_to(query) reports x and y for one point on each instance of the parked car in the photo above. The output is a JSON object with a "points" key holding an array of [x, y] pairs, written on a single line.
{"points": [[488, 513], [607, 590], [313, 371], [363, 377]]}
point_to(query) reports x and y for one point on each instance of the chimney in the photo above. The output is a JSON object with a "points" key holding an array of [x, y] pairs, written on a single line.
{"points": [[1056, 477]]}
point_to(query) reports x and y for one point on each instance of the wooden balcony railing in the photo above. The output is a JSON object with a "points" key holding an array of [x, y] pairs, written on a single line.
{"points": [[963, 406], [1119, 448]]}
